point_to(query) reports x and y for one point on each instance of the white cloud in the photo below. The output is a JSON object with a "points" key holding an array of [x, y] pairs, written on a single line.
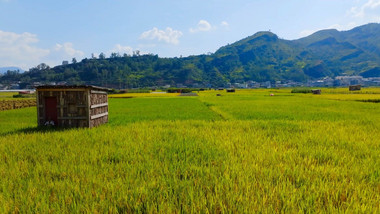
{"points": [[62, 52], [225, 24], [203, 26], [122, 49], [168, 35], [361, 11], [68, 50], [365, 12], [22, 50], [19, 50]]}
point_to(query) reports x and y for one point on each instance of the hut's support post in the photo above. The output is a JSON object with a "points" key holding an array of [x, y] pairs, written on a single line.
{"points": [[38, 108], [61, 103], [88, 109]]}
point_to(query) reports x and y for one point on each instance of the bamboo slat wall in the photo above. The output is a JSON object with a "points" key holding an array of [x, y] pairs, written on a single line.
{"points": [[71, 107], [76, 106], [99, 108]]}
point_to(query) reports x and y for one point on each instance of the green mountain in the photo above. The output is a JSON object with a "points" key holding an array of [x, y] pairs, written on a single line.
{"points": [[352, 52], [260, 57], [324, 53]]}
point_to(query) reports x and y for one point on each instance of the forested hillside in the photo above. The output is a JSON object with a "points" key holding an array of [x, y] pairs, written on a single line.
{"points": [[261, 57]]}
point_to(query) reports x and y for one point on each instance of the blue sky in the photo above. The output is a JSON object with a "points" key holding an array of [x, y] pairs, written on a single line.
{"points": [[32, 32]]}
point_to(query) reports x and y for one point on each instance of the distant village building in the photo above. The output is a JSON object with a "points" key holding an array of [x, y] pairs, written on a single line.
{"points": [[65, 62], [318, 83], [316, 91], [266, 84], [372, 81], [180, 85], [328, 82], [15, 86], [240, 85], [348, 80], [36, 84], [253, 84], [61, 83], [72, 106]]}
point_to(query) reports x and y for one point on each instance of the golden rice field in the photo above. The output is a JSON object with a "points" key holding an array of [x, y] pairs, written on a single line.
{"points": [[17, 103], [243, 152], [7, 102], [133, 95], [7, 95]]}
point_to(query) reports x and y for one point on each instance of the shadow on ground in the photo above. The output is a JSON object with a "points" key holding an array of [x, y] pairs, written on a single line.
{"points": [[37, 129]]}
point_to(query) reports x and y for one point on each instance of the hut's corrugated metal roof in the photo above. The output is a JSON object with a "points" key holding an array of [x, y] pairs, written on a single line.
{"points": [[72, 86]]}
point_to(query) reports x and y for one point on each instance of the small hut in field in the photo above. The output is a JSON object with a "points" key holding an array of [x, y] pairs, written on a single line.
{"points": [[72, 106], [354, 87], [316, 91]]}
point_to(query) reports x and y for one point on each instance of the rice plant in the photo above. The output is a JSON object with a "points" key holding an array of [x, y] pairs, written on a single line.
{"points": [[242, 152]]}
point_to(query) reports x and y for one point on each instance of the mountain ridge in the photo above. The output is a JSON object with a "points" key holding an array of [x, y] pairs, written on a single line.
{"points": [[260, 57]]}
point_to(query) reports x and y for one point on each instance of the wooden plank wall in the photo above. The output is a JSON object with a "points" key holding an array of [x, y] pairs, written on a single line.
{"points": [[99, 108]]}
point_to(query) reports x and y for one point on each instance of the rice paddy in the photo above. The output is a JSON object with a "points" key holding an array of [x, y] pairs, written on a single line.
{"points": [[242, 152], [134, 95]]}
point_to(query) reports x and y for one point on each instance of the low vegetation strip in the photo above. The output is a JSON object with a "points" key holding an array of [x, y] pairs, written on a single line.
{"points": [[16, 104], [302, 90], [370, 101]]}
